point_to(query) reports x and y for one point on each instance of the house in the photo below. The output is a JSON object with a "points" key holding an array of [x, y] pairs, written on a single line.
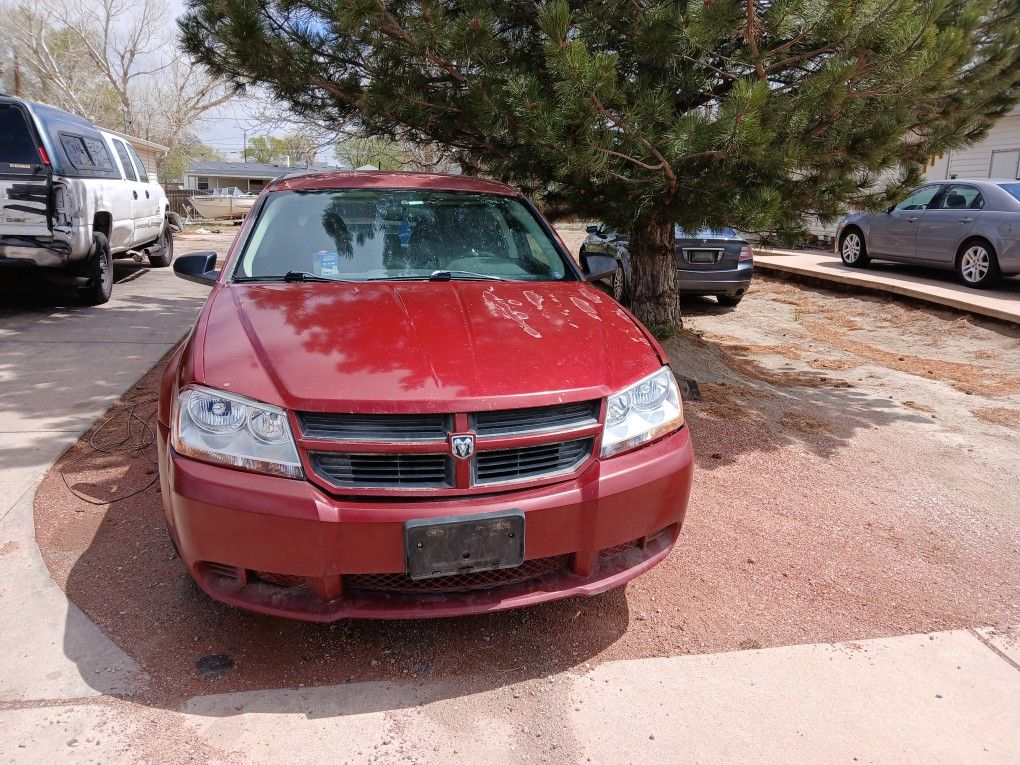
{"points": [[997, 155], [209, 175]]}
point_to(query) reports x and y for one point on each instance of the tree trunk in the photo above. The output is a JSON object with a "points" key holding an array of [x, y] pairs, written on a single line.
{"points": [[654, 295]]}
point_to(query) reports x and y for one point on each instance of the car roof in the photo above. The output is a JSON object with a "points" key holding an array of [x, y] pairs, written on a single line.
{"points": [[47, 112], [388, 179]]}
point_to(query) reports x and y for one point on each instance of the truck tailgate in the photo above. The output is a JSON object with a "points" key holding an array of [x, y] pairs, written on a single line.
{"points": [[23, 207]]}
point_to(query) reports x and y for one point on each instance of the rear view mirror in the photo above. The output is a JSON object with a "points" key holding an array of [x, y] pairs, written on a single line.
{"points": [[596, 267], [198, 267]]}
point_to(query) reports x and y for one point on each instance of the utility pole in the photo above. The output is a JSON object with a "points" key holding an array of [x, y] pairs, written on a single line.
{"points": [[244, 132]]}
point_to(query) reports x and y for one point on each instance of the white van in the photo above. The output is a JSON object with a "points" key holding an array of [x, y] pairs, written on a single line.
{"points": [[73, 198]]}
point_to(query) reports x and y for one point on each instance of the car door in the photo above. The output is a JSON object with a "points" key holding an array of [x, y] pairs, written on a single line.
{"points": [[946, 223], [151, 218], [894, 233], [130, 190]]}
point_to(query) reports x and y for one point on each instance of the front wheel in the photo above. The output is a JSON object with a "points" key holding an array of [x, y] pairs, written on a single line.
{"points": [[977, 265], [166, 249], [852, 250], [99, 270]]}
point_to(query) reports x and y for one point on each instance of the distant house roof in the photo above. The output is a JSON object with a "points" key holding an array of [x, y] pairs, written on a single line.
{"points": [[205, 167]]}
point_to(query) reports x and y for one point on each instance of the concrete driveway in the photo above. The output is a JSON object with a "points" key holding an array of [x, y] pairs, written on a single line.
{"points": [[69, 692]]}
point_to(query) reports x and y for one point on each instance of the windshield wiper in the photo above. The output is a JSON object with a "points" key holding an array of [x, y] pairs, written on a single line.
{"points": [[444, 275], [290, 276], [304, 276], [439, 276]]}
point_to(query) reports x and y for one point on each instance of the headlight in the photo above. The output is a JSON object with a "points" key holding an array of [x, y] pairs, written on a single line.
{"points": [[215, 426], [644, 411]]}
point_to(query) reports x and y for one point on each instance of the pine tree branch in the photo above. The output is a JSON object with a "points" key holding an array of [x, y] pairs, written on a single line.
{"points": [[664, 166], [753, 42]]}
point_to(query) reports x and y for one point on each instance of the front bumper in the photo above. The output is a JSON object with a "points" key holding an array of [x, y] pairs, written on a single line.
{"points": [[284, 547], [732, 281]]}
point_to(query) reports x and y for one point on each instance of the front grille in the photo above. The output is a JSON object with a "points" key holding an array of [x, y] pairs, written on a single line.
{"points": [[537, 418], [374, 427], [476, 580], [531, 461], [398, 470]]}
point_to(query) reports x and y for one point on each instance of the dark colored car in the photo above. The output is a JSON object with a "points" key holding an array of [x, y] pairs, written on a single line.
{"points": [[708, 262], [402, 398]]}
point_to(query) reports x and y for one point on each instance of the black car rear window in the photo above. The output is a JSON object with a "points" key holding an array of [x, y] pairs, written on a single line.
{"points": [[17, 146]]}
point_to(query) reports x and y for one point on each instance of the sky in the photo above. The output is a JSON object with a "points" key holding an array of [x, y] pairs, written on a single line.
{"points": [[225, 127]]}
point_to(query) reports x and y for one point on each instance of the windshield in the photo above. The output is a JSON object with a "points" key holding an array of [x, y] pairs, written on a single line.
{"points": [[379, 235]]}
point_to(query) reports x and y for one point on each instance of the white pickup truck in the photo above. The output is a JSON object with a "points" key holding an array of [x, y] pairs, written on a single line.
{"points": [[73, 198]]}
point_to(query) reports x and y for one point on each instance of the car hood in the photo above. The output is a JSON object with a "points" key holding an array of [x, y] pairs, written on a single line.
{"points": [[421, 346]]}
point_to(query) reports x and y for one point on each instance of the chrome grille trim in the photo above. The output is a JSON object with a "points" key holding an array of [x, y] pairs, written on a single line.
{"points": [[536, 419], [399, 470], [528, 462], [374, 427]]}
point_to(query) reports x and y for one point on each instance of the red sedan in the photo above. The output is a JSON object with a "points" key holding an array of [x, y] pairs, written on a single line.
{"points": [[403, 399]]}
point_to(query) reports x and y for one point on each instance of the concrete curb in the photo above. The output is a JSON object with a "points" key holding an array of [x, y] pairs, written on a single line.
{"points": [[802, 265]]}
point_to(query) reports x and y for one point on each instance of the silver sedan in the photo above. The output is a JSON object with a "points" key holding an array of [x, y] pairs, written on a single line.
{"points": [[971, 227]]}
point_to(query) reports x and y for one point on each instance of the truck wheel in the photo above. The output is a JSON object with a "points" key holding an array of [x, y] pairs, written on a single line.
{"points": [[166, 249], [99, 270]]}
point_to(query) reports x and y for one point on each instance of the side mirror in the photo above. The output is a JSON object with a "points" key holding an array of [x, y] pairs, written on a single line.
{"points": [[889, 209], [198, 267], [592, 230], [596, 267]]}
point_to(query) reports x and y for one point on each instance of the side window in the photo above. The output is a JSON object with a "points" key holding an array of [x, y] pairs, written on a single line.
{"points": [[77, 154], [125, 160], [101, 159], [143, 175], [919, 199], [960, 197]]}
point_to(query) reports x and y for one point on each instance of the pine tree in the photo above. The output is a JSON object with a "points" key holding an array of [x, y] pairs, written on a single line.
{"points": [[749, 113]]}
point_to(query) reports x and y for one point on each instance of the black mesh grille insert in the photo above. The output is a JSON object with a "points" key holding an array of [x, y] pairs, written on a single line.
{"points": [[531, 461], [558, 416], [426, 471], [375, 427]]}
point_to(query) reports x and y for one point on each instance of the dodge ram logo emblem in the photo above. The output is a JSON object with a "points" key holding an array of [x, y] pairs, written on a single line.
{"points": [[462, 447]]}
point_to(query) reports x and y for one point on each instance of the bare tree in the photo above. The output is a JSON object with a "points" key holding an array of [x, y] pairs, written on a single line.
{"points": [[113, 61]]}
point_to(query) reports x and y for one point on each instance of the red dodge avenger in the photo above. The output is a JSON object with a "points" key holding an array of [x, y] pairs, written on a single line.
{"points": [[404, 399]]}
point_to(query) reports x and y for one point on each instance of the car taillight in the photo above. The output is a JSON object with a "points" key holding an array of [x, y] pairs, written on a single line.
{"points": [[42, 155], [745, 252]]}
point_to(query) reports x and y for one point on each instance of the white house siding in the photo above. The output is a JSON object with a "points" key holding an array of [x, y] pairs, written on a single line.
{"points": [[976, 161]]}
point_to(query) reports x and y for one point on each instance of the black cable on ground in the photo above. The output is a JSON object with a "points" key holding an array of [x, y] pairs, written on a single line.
{"points": [[138, 436]]}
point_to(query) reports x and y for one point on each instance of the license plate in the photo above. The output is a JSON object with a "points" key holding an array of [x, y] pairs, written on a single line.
{"points": [[460, 545], [701, 256]]}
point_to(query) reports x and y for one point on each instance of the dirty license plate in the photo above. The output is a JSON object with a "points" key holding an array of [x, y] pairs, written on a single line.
{"points": [[701, 256], [463, 544]]}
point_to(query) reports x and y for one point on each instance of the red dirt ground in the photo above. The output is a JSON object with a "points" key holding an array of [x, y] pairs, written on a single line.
{"points": [[817, 515]]}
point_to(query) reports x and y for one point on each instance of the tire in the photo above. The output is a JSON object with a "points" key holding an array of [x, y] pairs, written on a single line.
{"points": [[619, 286], [852, 250], [99, 270], [977, 264], [166, 239], [730, 301]]}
